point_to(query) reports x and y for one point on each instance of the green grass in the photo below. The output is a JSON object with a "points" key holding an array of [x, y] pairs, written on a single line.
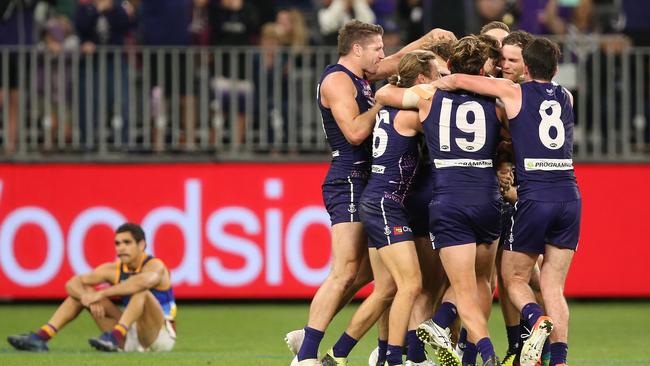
{"points": [[602, 333]]}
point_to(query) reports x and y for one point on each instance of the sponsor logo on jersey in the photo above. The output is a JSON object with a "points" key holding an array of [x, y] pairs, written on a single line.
{"points": [[548, 164], [463, 163], [335, 154], [379, 169]]}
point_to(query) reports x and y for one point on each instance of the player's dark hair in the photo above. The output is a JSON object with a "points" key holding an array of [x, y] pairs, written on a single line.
{"points": [[468, 56], [356, 31], [518, 38], [495, 25], [441, 48], [135, 230], [541, 57], [410, 66], [493, 47]]}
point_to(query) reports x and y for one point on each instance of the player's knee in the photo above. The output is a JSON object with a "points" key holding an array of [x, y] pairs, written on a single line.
{"points": [[411, 288], [344, 279]]}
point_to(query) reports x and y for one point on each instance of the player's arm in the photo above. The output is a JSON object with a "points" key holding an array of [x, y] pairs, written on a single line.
{"points": [[402, 98], [339, 93], [508, 91], [83, 284], [150, 277], [407, 123], [388, 65]]}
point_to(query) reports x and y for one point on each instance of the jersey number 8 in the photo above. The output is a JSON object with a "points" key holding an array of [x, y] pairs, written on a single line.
{"points": [[549, 121]]}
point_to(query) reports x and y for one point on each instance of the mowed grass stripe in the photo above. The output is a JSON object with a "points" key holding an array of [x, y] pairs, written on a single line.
{"points": [[602, 333]]}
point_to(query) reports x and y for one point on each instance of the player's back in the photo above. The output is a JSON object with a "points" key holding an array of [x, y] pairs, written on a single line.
{"points": [[542, 137], [462, 134], [395, 159], [347, 160]]}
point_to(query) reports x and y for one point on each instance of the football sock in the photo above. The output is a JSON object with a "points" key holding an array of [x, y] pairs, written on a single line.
{"points": [[469, 356], [119, 332], [381, 353], [309, 348], [513, 336], [485, 348], [415, 351], [558, 353], [531, 312], [46, 332], [445, 314], [394, 355], [344, 345]]}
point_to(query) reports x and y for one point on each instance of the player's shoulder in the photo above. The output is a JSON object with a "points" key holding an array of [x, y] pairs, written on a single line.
{"points": [[112, 266], [337, 78], [154, 264], [337, 85]]}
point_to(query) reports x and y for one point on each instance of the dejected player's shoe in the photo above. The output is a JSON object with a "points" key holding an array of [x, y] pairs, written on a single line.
{"points": [[28, 342], [330, 360], [105, 343], [294, 340], [531, 351]]}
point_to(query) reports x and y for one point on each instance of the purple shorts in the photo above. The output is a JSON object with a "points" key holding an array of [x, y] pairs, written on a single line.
{"points": [[453, 224], [537, 223], [341, 199], [386, 222], [417, 202]]}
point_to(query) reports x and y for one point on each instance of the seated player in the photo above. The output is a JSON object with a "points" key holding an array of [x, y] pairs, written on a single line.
{"points": [[141, 281]]}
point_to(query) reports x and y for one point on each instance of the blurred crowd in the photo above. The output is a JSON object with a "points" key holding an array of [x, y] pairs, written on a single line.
{"points": [[71, 26], [295, 23]]}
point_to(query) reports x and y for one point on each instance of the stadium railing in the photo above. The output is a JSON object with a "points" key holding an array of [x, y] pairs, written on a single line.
{"points": [[247, 103]]}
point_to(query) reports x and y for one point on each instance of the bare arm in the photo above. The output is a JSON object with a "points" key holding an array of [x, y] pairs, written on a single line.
{"points": [[404, 98], [150, 276], [388, 66], [504, 89], [80, 285], [338, 93], [407, 123]]}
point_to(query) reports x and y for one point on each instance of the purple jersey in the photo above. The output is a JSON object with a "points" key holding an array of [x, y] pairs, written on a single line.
{"points": [[462, 134], [347, 160], [394, 160], [542, 138]]}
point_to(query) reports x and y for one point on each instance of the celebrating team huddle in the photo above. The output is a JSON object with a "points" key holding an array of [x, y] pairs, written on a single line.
{"points": [[491, 194]]}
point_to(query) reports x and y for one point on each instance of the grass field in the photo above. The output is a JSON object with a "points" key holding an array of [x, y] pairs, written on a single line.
{"points": [[602, 333]]}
